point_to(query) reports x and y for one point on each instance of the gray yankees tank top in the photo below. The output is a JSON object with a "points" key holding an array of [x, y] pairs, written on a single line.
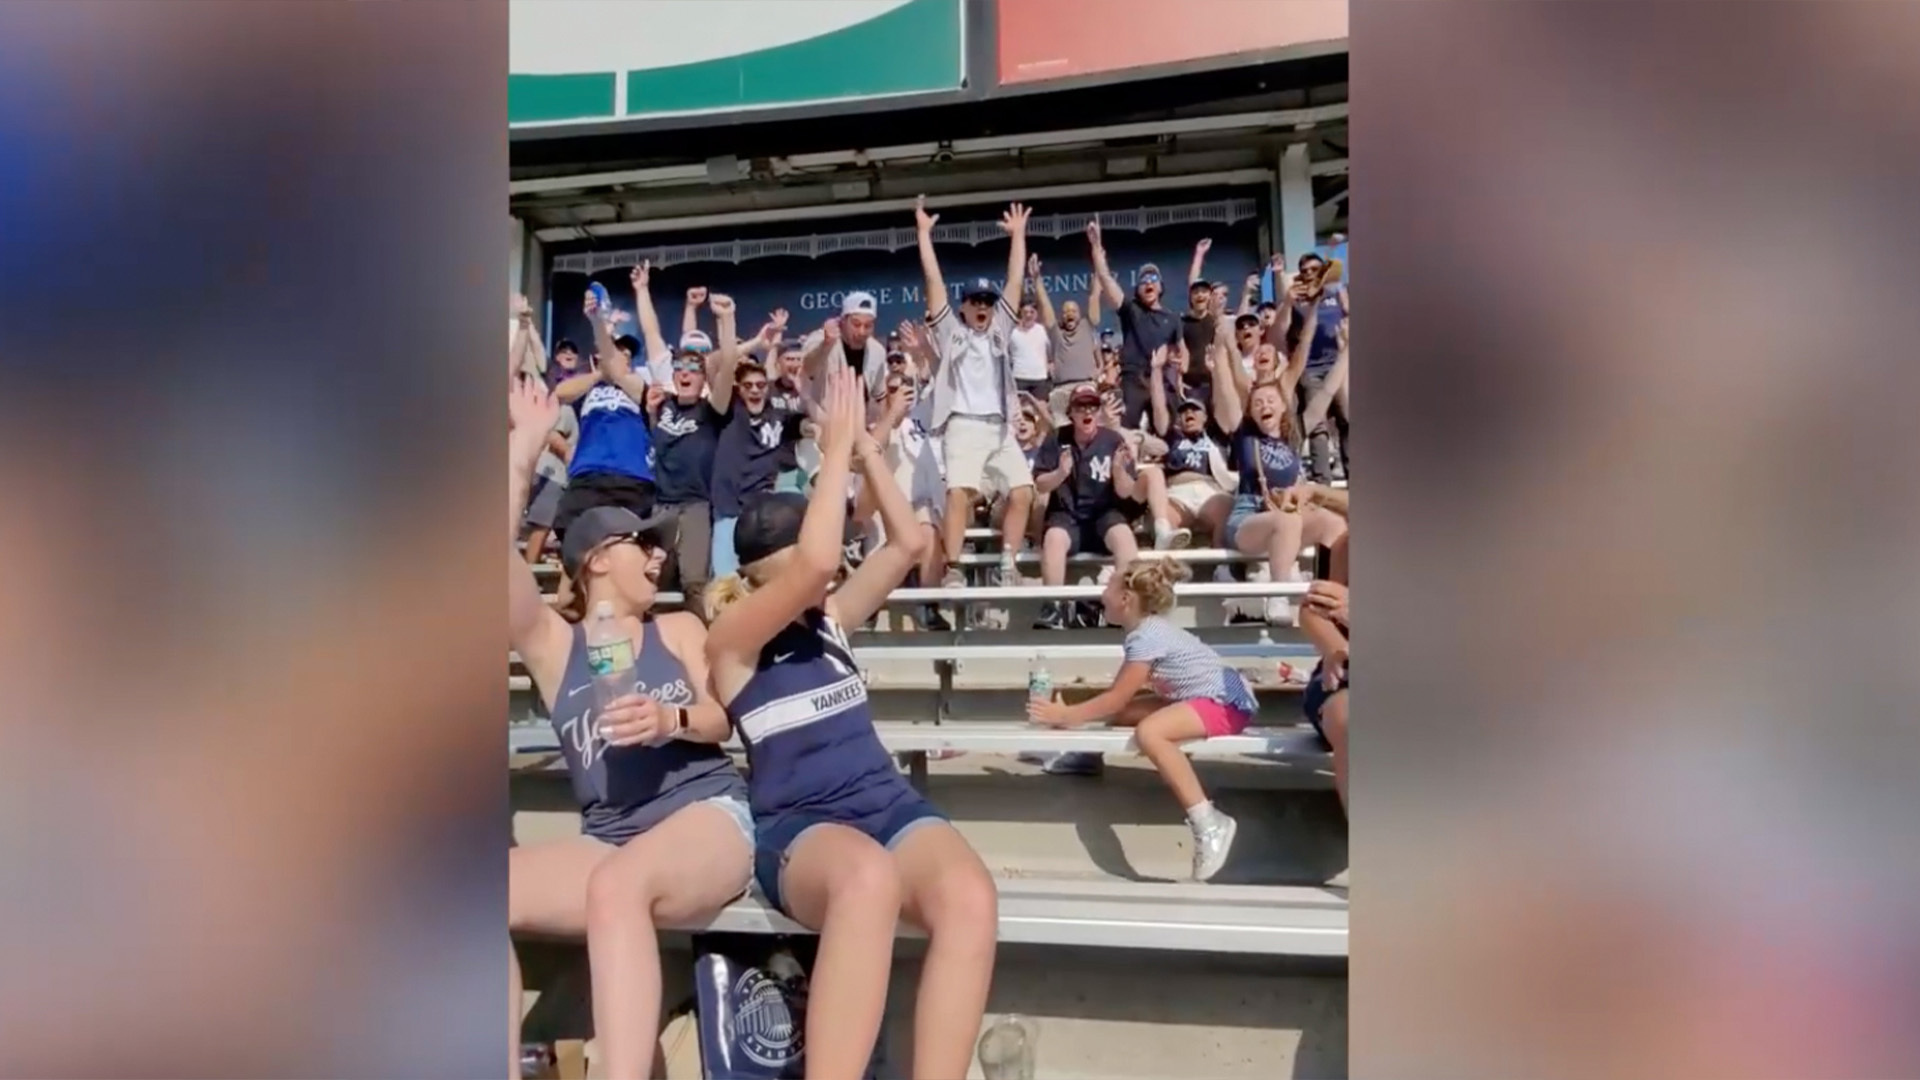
{"points": [[626, 790]]}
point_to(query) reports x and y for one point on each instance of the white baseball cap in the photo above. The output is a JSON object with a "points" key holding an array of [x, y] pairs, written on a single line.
{"points": [[859, 303], [696, 341]]}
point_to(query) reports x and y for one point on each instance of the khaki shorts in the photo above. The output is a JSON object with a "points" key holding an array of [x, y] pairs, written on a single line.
{"points": [[1191, 492], [983, 456]]}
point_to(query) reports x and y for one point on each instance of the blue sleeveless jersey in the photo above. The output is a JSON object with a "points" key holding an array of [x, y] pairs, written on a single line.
{"points": [[811, 747]]}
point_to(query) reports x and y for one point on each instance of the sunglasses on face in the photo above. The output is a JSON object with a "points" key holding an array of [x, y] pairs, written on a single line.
{"points": [[754, 384], [687, 365], [1149, 279]]}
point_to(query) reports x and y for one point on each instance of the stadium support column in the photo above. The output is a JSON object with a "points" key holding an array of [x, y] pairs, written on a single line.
{"points": [[516, 255], [1296, 203]]}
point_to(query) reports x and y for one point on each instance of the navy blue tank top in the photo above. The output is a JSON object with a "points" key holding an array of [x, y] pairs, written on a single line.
{"points": [[626, 790], [809, 734], [1274, 456]]}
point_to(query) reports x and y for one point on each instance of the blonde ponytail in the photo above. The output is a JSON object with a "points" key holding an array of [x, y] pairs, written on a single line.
{"points": [[722, 593], [1151, 581]]}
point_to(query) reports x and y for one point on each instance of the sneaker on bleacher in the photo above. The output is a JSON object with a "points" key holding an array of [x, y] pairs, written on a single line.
{"points": [[1211, 846], [1168, 538]]}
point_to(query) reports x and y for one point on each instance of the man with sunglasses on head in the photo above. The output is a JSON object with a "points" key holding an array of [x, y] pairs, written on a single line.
{"points": [[686, 438], [1144, 326], [756, 449], [1311, 294], [848, 341]]}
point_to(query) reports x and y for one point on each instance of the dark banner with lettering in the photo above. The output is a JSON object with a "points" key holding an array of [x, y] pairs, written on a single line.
{"points": [[811, 288]]}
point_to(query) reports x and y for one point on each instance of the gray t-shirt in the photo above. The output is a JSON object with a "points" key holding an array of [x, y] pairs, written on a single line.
{"points": [[1076, 355], [550, 466]]}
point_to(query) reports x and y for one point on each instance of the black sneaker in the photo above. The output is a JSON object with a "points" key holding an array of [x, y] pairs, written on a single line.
{"points": [[1051, 617], [931, 619], [1087, 615]]}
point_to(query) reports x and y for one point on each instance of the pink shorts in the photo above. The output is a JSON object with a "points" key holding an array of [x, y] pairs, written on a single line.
{"points": [[1218, 719]]}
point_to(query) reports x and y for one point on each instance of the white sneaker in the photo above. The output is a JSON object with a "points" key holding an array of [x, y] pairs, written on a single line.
{"points": [[1211, 845], [1279, 611], [1171, 539]]}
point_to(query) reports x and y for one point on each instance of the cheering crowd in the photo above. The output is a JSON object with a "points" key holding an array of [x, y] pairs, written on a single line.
{"points": [[788, 487]]}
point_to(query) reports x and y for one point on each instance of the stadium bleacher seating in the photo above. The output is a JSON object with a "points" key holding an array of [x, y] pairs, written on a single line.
{"points": [[937, 693]]}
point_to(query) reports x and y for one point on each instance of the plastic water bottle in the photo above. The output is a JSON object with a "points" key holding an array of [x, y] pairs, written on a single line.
{"points": [[1008, 1049], [609, 655], [1039, 679]]}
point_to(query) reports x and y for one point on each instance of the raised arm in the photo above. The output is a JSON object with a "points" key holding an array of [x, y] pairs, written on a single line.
{"points": [[1103, 283], [614, 363], [1229, 391], [1297, 361], [1249, 295], [1198, 265], [725, 357], [1014, 224], [936, 285], [1157, 391], [813, 365], [534, 629], [865, 590], [740, 631], [1040, 292], [659, 358], [690, 315]]}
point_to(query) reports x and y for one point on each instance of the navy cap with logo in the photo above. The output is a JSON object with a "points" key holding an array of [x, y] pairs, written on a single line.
{"points": [[1191, 403], [770, 520], [604, 523], [983, 290]]}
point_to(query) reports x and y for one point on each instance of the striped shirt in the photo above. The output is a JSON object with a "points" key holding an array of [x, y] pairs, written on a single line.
{"points": [[1184, 668]]}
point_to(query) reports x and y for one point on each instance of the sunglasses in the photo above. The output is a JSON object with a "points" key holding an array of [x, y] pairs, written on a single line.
{"points": [[1149, 279], [688, 365], [754, 384]]}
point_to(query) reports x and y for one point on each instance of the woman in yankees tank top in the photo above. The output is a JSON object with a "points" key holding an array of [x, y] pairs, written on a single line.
{"points": [[666, 834], [844, 844]]}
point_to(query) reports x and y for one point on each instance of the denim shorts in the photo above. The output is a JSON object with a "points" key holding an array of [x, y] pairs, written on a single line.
{"points": [[1244, 507], [777, 835], [1315, 698], [736, 808]]}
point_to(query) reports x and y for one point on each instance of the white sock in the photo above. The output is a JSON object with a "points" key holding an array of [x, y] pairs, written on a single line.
{"points": [[1162, 527], [1202, 815]]}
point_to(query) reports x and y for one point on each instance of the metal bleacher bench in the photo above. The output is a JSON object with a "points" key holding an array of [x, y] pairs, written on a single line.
{"points": [[1252, 919]]}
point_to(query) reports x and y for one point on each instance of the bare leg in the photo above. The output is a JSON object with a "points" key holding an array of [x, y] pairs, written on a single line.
{"points": [[1159, 737], [1166, 515], [546, 893], [948, 893], [536, 542], [1125, 549], [841, 883], [684, 869], [1053, 556], [959, 512], [1333, 720], [930, 561], [1213, 517], [1014, 525]]}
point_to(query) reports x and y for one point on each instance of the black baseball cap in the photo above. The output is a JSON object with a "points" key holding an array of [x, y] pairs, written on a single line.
{"points": [[1266, 305], [629, 343], [604, 523], [1241, 322], [1202, 284], [770, 520], [565, 345], [1190, 403]]}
